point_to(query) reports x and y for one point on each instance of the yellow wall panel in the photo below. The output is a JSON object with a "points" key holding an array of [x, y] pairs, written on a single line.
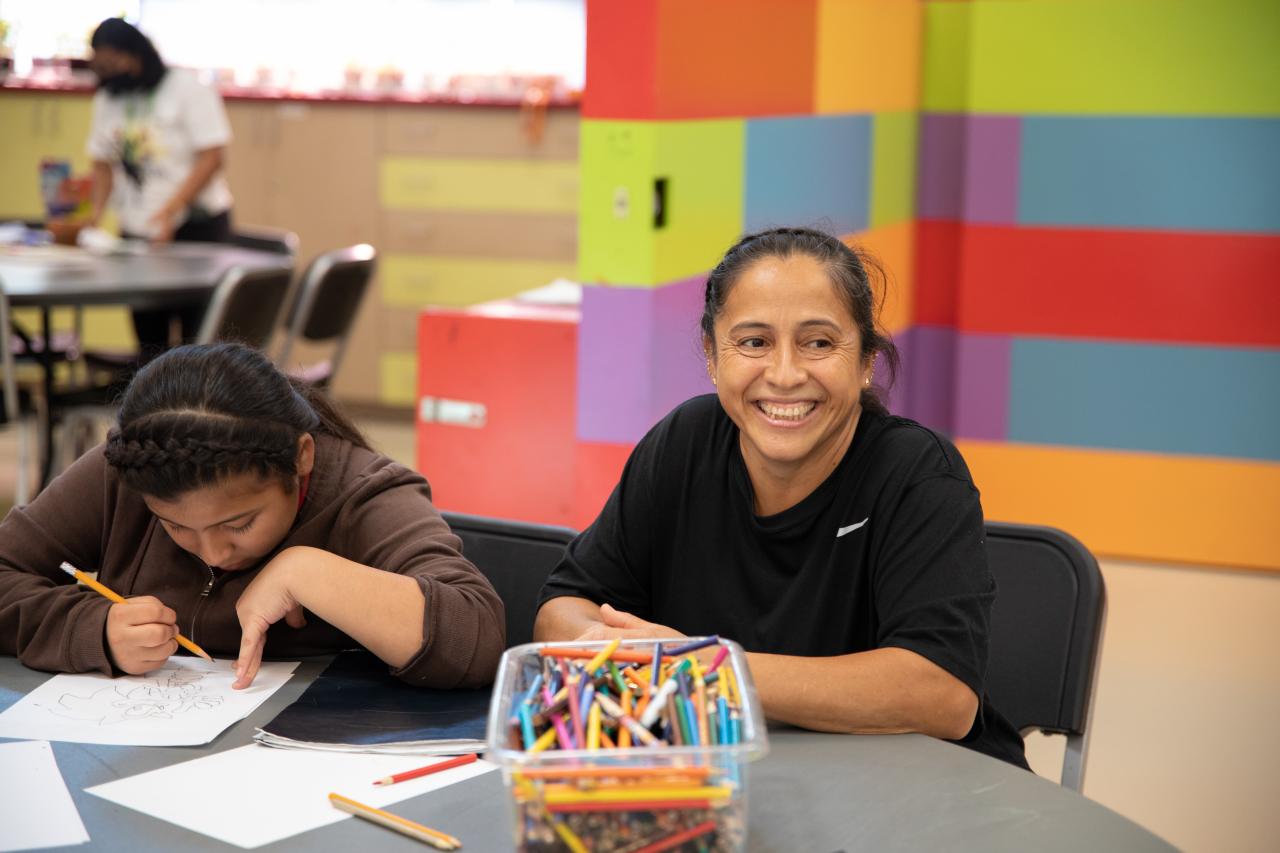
{"points": [[868, 55], [415, 280], [33, 127], [398, 378], [1143, 506], [426, 183]]}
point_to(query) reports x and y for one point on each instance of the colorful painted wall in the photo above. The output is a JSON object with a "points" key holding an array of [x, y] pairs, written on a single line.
{"points": [[1079, 204], [1097, 320]]}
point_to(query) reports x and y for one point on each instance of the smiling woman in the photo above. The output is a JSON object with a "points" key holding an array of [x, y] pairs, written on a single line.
{"points": [[226, 501], [840, 545]]}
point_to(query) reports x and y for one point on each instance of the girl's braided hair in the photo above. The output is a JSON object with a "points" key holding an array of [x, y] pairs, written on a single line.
{"points": [[853, 273], [199, 413]]}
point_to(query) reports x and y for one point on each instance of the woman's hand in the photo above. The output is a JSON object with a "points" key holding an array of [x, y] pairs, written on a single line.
{"points": [[619, 623], [267, 600], [141, 634], [162, 223]]}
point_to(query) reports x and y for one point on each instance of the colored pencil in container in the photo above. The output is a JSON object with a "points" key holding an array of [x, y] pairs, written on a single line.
{"points": [[110, 594]]}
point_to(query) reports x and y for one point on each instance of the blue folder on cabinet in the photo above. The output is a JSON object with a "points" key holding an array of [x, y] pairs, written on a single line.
{"points": [[356, 706]]}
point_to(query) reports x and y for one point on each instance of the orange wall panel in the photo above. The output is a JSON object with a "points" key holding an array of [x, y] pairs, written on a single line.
{"points": [[868, 55], [671, 59], [1144, 506], [894, 247]]}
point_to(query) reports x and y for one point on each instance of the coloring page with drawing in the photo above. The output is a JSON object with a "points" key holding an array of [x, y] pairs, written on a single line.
{"points": [[186, 702]]}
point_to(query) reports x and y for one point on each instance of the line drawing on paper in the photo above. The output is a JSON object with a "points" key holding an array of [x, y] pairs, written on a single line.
{"points": [[164, 695]]}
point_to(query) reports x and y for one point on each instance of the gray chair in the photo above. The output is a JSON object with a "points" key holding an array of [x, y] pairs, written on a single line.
{"points": [[323, 309], [245, 306], [1046, 635], [516, 557], [266, 239]]}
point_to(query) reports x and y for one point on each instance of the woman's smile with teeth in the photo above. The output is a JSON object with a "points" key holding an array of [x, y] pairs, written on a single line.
{"points": [[786, 411]]}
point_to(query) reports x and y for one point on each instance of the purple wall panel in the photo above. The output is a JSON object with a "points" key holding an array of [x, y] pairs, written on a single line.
{"points": [[679, 365], [614, 358], [940, 166], [925, 389], [982, 386], [991, 152], [639, 355]]}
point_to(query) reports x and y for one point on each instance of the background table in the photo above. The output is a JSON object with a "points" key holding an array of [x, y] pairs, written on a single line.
{"points": [[169, 276], [813, 792], [177, 273]]}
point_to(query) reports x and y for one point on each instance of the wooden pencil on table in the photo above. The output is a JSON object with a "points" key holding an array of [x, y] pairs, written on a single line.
{"points": [[447, 764], [110, 594], [404, 826]]}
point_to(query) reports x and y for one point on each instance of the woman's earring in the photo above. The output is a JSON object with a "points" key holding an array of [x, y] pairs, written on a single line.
{"points": [[711, 373]]}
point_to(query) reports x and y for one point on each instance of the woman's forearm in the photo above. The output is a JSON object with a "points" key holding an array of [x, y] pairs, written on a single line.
{"points": [[885, 691], [207, 164], [102, 183], [565, 618], [383, 611]]}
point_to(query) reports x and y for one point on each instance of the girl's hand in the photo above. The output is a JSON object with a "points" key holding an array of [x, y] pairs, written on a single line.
{"points": [[267, 600], [140, 634], [619, 623]]}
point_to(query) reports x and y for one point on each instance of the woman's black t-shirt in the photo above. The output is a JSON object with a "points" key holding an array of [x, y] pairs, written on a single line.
{"points": [[887, 552]]}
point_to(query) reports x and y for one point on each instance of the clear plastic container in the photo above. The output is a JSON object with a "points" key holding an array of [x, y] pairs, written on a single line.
{"points": [[546, 789]]}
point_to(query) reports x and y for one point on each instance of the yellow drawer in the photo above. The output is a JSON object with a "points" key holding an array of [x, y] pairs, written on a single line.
{"points": [[541, 236], [420, 183], [472, 132], [416, 280], [398, 378]]}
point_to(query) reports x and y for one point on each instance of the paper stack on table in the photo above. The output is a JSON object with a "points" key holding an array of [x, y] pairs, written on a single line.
{"points": [[36, 809], [186, 702], [252, 796]]}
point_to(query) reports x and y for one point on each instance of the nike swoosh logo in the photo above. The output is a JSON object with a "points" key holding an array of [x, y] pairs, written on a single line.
{"points": [[852, 527]]}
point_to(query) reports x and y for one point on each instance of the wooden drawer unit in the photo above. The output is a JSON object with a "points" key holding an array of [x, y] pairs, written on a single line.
{"points": [[478, 132], [427, 183], [417, 280], [541, 236]]}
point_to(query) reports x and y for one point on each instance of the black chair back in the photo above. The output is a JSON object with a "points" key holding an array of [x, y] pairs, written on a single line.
{"points": [[266, 240], [516, 557], [324, 306], [246, 306], [1046, 632]]}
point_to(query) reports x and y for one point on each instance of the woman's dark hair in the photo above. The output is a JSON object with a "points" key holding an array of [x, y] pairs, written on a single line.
{"points": [[199, 413], [119, 34], [851, 271]]}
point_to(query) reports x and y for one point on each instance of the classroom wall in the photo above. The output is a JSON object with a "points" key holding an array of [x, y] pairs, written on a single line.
{"points": [[1097, 321], [723, 143], [1078, 205]]}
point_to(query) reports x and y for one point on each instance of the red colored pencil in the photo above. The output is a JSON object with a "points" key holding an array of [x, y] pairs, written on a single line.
{"points": [[676, 839], [447, 764], [639, 806]]}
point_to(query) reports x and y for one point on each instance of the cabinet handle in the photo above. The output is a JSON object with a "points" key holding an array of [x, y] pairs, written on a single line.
{"points": [[462, 413]]}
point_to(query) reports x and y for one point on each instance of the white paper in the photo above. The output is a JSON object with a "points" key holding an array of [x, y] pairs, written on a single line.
{"points": [[35, 806], [186, 702], [255, 795]]}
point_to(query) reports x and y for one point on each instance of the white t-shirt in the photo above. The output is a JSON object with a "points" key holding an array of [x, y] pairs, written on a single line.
{"points": [[151, 140]]}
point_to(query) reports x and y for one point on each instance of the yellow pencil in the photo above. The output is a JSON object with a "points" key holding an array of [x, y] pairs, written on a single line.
{"points": [[404, 826], [605, 653], [112, 595]]}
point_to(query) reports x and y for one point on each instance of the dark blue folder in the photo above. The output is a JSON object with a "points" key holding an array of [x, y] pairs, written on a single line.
{"points": [[356, 706]]}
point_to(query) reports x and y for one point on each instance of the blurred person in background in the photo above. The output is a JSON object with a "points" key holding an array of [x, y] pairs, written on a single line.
{"points": [[158, 143]]}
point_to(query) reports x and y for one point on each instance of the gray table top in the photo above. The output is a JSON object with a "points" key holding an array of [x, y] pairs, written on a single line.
{"points": [[58, 275], [812, 792]]}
